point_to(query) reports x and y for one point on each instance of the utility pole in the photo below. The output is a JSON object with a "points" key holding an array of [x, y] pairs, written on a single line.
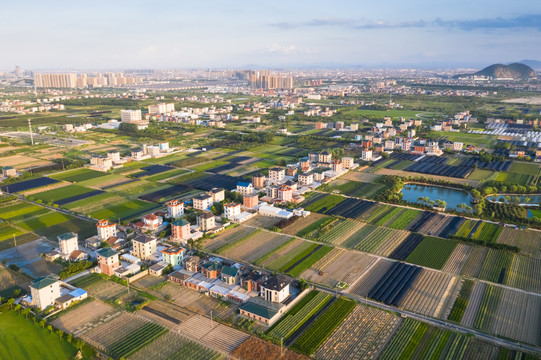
{"points": [[281, 347], [211, 319], [14, 241], [30, 128]]}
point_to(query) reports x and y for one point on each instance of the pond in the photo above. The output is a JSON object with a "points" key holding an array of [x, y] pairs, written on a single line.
{"points": [[516, 199], [453, 197]]}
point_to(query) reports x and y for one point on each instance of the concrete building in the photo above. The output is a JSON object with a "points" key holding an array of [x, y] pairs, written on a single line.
{"points": [[337, 165], [107, 260], [277, 174], [218, 194], [161, 108], [250, 200], [68, 243], [100, 163], [8, 171], [366, 155], [244, 188], [106, 229], [325, 157], [202, 202], [259, 180], [144, 246], [45, 291], [55, 80], [130, 116], [175, 209], [285, 193], [348, 162], [306, 179], [274, 289], [152, 222], [206, 221], [173, 255], [231, 210], [180, 230]]}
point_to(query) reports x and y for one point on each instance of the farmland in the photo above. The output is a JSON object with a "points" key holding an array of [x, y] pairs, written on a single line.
{"points": [[78, 175], [461, 302], [363, 335], [405, 218], [418, 340], [255, 349], [528, 241], [338, 268], [28, 185], [298, 315], [23, 339], [432, 252], [382, 241], [324, 204], [61, 193], [339, 233], [305, 259], [320, 329], [259, 244], [174, 346]]}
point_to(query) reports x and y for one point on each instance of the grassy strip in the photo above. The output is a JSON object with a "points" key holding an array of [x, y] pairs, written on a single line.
{"points": [[321, 223], [267, 255], [306, 264], [461, 301], [314, 336], [325, 204], [299, 256]]}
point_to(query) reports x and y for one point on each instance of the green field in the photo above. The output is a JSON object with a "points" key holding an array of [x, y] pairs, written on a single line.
{"points": [[404, 219], [320, 329], [432, 252], [7, 232], [61, 193], [326, 203], [44, 221], [78, 175], [20, 210], [311, 231], [480, 174], [524, 168], [306, 263], [22, 339], [392, 113], [461, 301]]}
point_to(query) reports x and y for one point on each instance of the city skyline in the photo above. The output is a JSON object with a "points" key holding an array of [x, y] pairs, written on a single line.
{"points": [[237, 34]]}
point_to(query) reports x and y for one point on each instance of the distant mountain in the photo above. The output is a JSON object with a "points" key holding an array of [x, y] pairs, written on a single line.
{"points": [[514, 71], [534, 64]]}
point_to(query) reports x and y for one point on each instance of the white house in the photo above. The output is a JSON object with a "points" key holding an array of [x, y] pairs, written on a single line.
{"points": [[274, 289], [45, 291]]}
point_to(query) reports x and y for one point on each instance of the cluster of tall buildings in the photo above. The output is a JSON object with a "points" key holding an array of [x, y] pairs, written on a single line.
{"points": [[83, 80], [265, 80]]}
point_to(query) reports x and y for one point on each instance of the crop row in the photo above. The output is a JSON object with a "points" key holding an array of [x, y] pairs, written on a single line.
{"points": [[136, 340], [461, 301], [372, 241], [406, 247], [432, 252], [362, 335], [394, 284], [388, 216], [316, 333], [497, 266], [340, 232], [404, 219], [325, 203], [305, 263], [351, 208], [377, 213], [298, 315], [311, 229]]}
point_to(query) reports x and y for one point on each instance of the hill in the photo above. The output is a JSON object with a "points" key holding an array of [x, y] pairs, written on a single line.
{"points": [[534, 64], [514, 71]]}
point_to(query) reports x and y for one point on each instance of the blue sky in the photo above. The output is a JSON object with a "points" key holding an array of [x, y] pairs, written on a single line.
{"points": [[119, 34]]}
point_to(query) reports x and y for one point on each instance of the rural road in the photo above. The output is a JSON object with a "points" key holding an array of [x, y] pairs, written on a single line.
{"points": [[76, 276]]}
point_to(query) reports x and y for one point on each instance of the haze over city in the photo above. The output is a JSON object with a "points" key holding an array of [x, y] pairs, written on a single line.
{"points": [[182, 34]]}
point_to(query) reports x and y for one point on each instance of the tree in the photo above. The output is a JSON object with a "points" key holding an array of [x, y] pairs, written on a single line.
{"points": [[60, 333], [42, 323], [18, 308], [69, 338], [50, 328], [26, 312], [10, 303], [17, 292]]}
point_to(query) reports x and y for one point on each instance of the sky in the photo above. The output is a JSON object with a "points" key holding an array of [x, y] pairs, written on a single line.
{"points": [[118, 34]]}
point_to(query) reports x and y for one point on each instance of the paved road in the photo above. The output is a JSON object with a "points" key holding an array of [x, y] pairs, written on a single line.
{"points": [[76, 276]]}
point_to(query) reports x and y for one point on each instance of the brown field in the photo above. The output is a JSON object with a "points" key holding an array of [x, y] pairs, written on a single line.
{"points": [[8, 148], [105, 290], [282, 251], [205, 304], [301, 223], [85, 317], [22, 161], [262, 221], [148, 281], [256, 246], [10, 279], [214, 335], [46, 188], [256, 349], [529, 241], [165, 314], [180, 295], [226, 237], [346, 268], [106, 334], [358, 176]]}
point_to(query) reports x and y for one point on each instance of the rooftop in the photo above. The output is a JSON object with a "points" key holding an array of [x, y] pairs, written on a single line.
{"points": [[106, 252], [180, 222], [273, 283], [67, 236], [143, 239], [173, 250], [231, 271], [42, 282], [202, 197], [206, 215], [258, 310]]}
